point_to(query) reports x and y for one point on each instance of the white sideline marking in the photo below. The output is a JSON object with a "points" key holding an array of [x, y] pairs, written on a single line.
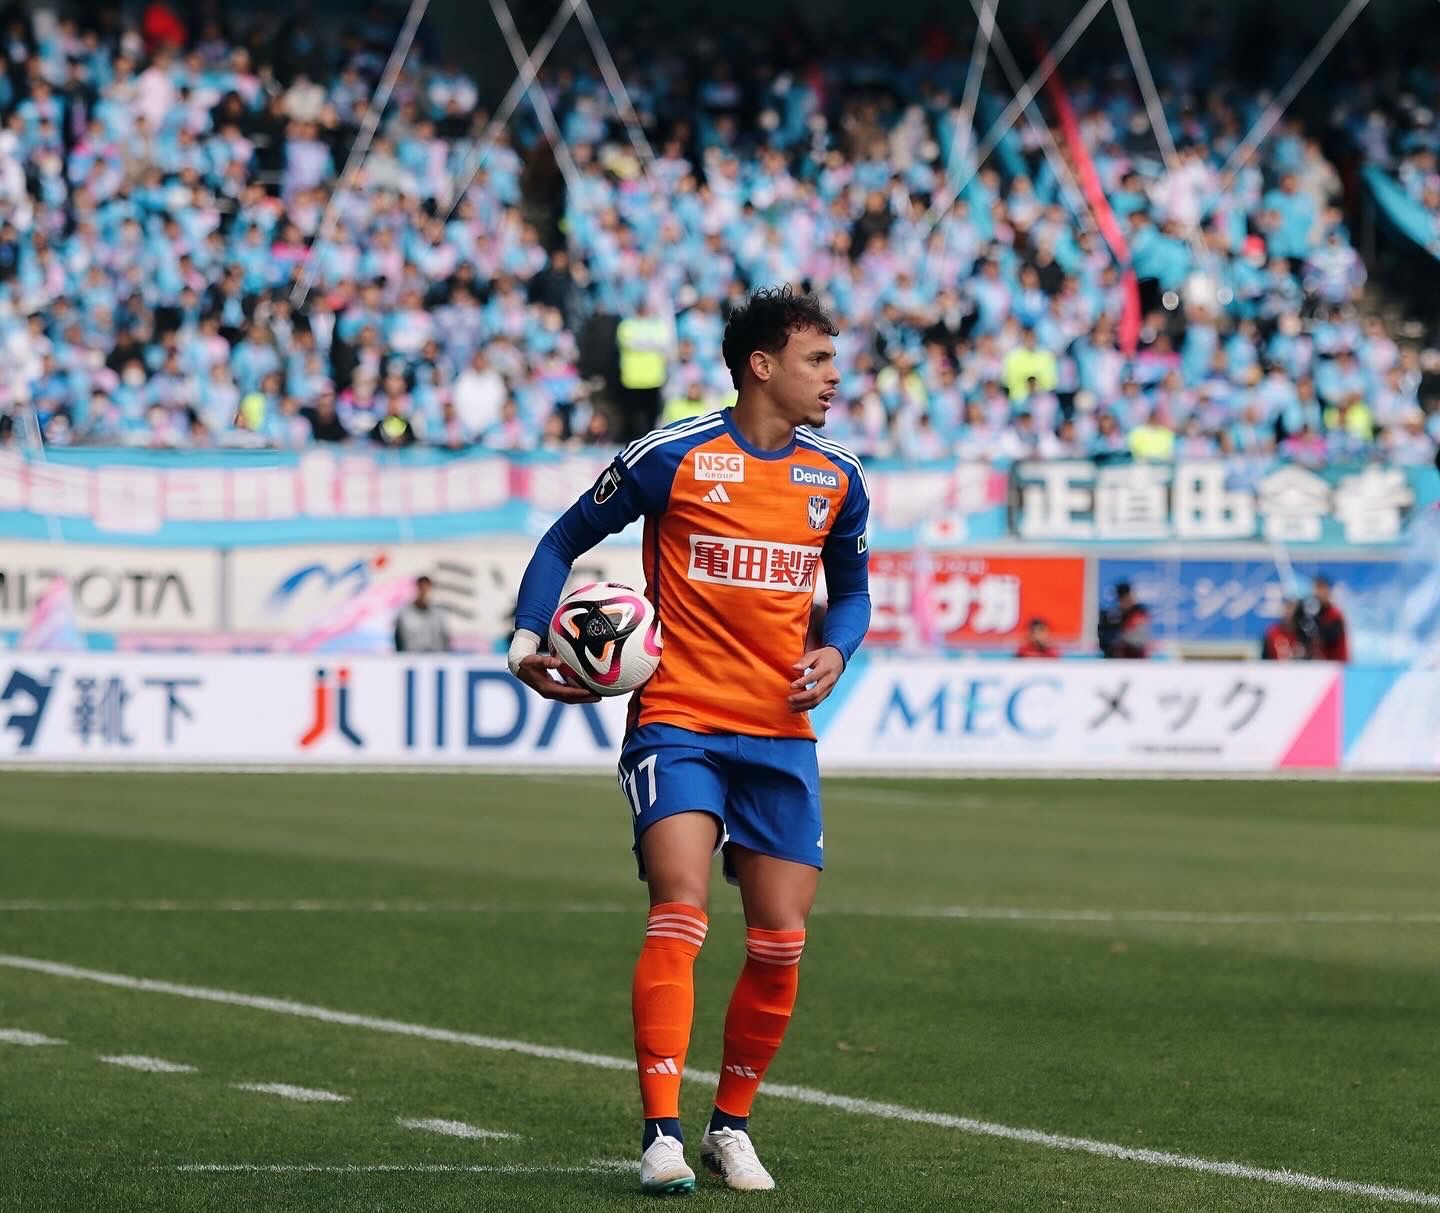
{"points": [[310, 906], [1187, 917], [975, 913], [807, 1095], [598, 1167], [151, 1065], [450, 1128], [286, 1091], [17, 1036]]}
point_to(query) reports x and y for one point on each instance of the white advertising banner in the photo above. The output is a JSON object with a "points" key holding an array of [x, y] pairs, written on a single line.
{"points": [[1402, 730], [1124, 715], [114, 589], [900, 715], [110, 709], [286, 591]]}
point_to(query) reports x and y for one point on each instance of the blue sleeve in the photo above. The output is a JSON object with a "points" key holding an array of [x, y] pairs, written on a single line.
{"points": [[846, 557], [621, 495]]}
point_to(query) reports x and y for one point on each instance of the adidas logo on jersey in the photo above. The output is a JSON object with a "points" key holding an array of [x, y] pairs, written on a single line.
{"points": [[717, 496], [663, 1067], [741, 1071]]}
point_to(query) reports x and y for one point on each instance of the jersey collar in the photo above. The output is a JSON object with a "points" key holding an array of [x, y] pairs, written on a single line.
{"points": [[728, 415]]}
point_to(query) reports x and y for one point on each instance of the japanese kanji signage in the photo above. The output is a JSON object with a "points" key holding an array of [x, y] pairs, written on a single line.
{"points": [[753, 564], [1213, 500], [887, 713], [962, 598], [94, 707]]}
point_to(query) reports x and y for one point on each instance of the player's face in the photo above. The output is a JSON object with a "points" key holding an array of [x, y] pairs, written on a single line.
{"points": [[806, 377]]}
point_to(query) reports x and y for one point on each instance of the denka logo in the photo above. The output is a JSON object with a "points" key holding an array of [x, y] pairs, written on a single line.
{"points": [[332, 703], [753, 564], [711, 465], [813, 477]]}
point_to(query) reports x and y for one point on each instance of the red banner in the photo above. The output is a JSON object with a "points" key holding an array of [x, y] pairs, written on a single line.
{"points": [[967, 599], [1128, 332]]}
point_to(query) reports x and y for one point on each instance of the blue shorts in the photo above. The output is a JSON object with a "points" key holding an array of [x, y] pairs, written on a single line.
{"points": [[764, 791]]}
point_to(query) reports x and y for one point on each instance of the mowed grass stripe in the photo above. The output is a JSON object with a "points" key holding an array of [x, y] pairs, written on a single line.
{"points": [[600, 1166], [1207, 918], [806, 1095]]}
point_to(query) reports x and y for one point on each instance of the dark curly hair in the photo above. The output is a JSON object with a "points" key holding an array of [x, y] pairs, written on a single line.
{"points": [[765, 322]]}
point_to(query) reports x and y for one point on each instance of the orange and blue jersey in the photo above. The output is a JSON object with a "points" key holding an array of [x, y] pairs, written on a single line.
{"points": [[734, 540]]}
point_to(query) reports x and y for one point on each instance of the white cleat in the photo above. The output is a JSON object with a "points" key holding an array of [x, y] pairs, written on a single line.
{"points": [[730, 1154], [663, 1169]]}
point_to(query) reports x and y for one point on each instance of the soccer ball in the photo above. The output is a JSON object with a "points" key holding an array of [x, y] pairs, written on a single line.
{"points": [[608, 637]]}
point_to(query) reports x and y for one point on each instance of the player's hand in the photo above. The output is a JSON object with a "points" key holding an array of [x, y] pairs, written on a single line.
{"points": [[819, 670], [535, 672]]}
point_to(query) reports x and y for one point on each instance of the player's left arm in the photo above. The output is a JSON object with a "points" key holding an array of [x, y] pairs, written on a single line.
{"points": [[846, 556]]}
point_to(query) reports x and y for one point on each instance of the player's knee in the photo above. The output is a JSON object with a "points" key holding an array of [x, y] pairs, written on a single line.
{"points": [[683, 887]]}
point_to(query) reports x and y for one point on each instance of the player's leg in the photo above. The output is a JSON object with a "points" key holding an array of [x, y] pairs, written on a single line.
{"points": [[677, 797], [777, 896], [677, 852], [774, 855]]}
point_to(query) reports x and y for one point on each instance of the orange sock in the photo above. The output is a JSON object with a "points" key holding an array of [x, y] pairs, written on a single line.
{"points": [[759, 1014], [663, 1002]]}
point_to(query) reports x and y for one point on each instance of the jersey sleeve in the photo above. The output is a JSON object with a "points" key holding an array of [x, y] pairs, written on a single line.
{"points": [[621, 495], [846, 556]]}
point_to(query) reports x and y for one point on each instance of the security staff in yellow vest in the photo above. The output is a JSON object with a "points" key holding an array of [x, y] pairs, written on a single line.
{"points": [[1028, 361], [1153, 440], [645, 342]]}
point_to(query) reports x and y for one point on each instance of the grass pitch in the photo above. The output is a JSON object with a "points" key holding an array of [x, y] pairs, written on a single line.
{"points": [[1227, 971]]}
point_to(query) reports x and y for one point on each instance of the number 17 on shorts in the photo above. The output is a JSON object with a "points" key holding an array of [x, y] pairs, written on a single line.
{"points": [[638, 784]]}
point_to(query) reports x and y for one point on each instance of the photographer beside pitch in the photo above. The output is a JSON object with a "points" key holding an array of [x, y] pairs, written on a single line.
{"points": [[740, 506]]}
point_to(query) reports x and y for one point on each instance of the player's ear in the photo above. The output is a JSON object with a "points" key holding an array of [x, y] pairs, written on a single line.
{"points": [[761, 365]]}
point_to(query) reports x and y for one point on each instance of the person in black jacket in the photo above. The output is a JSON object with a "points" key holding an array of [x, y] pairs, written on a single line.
{"points": [[1124, 630]]}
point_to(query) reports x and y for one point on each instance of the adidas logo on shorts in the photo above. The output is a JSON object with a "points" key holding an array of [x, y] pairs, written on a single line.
{"points": [[717, 496]]}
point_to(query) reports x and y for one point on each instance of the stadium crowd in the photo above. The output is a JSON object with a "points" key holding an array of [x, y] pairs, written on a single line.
{"points": [[160, 187], [1391, 120]]}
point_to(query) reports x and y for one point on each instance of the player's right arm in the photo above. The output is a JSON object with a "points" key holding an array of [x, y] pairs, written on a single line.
{"points": [[618, 498]]}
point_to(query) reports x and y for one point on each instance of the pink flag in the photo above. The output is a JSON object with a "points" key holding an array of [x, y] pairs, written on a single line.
{"points": [[924, 618], [52, 625], [359, 624]]}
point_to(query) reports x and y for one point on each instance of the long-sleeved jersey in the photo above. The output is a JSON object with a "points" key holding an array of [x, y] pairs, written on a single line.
{"points": [[733, 539]]}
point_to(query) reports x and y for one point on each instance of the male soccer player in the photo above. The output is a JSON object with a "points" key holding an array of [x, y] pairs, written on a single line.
{"points": [[740, 506]]}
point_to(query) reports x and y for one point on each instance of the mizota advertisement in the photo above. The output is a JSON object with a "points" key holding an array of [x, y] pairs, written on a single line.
{"points": [[114, 589]]}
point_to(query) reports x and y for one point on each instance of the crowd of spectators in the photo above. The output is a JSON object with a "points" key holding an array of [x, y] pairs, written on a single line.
{"points": [[1392, 121], [161, 188]]}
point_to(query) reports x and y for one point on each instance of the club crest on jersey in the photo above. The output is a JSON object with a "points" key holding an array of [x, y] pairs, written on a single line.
{"points": [[608, 484], [819, 511]]}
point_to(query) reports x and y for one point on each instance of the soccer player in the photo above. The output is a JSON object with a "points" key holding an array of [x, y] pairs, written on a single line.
{"points": [[740, 508]]}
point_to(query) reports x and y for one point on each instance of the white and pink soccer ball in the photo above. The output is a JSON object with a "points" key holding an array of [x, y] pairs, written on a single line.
{"points": [[608, 636]]}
